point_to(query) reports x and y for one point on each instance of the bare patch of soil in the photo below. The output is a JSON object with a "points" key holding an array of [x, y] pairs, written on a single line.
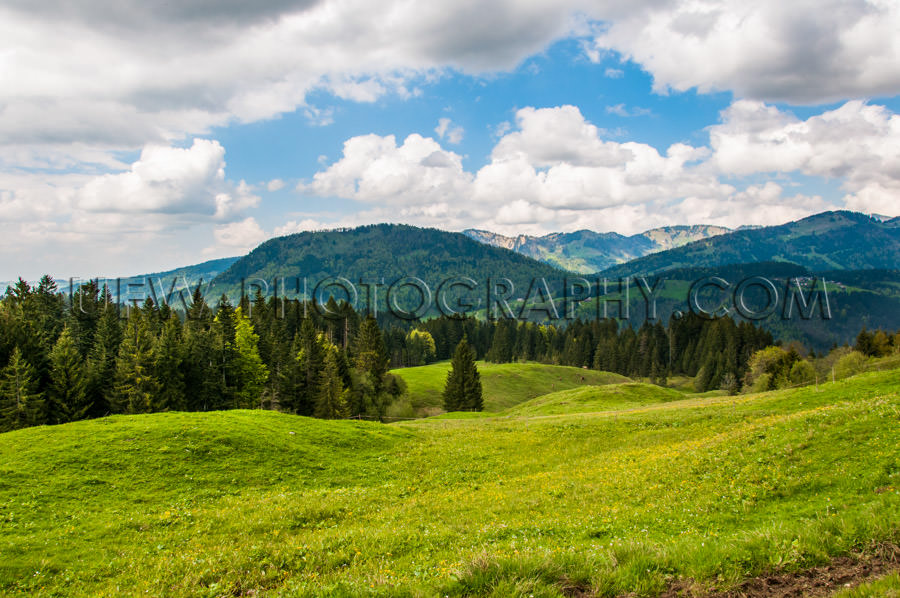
{"points": [[840, 573]]}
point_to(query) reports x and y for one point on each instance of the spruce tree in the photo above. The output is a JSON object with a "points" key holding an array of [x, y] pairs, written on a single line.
{"points": [[135, 383], [67, 394], [20, 403], [225, 354], [330, 403], [310, 358], [463, 389], [251, 372], [168, 362], [101, 363]]}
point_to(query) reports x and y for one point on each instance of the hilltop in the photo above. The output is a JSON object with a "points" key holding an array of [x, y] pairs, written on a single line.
{"points": [[384, 252], [504, 384]]}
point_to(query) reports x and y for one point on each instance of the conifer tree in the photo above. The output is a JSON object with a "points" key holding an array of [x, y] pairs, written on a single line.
{"points": [[101, 363], [251, 373], [20, 403], [67, 394], [330, 403], [310, 359], [168, 362], [225, 353], [463, 389], [135, 383]]}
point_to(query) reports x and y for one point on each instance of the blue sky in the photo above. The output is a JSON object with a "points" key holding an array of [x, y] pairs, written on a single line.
{"points": [[160, 136]]}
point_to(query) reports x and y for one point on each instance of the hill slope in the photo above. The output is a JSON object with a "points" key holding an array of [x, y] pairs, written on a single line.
{"points": [[587, 251], [503, 384], [710, 490], [384, 251], [827, 241], [591, 399]]}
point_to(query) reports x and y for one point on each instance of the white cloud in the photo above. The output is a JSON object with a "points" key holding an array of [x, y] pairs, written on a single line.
{"points": [[275, 185], [625, 112], [375, 169], [857, 144], [237, 237], [295, 226], [614, 73], [453, 134], [167, 180], [555, 171], [803, 51]]}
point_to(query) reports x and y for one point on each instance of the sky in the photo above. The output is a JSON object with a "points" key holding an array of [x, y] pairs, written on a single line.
{"points": [[147, 135]]}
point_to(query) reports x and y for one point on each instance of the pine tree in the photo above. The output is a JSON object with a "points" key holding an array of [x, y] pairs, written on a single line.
{"points": [[101, 363], [370, 355], [168, 362], [225, 353], [20, 403], [252, 373], [135, 383], [330, 403], [67, 394], [310, 358], [463, 389]]}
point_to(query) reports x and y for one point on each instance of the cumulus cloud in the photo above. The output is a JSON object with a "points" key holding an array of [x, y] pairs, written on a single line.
{"points": [[804, 51], [375, 169], [170, 180], [555, 171], [857, 144], [238, 237]]}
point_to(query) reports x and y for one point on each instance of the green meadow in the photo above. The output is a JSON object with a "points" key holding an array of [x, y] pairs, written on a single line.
{"points": [[608, 491], [504, 384]]}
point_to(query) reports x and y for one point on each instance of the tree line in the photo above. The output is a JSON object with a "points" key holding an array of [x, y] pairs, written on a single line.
{"points": [[65, 358], [68, 359]]}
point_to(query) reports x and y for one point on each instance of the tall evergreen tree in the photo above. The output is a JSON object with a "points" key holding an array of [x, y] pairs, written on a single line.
{"points": [[67, 393], [168, 362], [101, 363], [463, 389], [135, 383], [251, 373], [21, 405], [330, 403]]}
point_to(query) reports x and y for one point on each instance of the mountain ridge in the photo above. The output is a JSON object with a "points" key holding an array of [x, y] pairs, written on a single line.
{"points": [[585, 251], [836, 240]]}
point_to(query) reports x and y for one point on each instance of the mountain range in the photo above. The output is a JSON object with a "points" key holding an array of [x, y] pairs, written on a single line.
{"points": [[828, 241], [586, 251]]}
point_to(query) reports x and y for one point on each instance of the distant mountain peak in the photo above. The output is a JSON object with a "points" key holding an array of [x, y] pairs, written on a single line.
{"points": [[589, 251]]}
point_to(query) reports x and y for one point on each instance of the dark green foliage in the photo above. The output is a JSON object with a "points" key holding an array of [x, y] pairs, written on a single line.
{"points": [[136, 385], [463, 389], [827, 241], [21, 405], [330, 402], [168, 366], [67, 398]]}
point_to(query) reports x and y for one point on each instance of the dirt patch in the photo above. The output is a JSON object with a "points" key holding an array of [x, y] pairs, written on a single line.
{"points": [[841, 573]]}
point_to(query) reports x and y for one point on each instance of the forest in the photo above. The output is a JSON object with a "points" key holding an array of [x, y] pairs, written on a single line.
{"points": [[66, 358]]}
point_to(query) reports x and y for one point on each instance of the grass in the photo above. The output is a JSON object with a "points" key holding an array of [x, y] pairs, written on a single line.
{"points": [[587, 399], [886, 587], [504, 384], [712, 489]]}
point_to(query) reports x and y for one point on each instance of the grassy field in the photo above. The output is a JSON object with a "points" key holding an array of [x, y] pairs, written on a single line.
{"points": [[588, 399], [703, 491], [504, 384]]}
